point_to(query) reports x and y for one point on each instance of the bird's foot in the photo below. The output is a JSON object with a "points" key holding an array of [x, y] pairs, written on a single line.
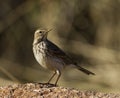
{"points": [[47, 85]]}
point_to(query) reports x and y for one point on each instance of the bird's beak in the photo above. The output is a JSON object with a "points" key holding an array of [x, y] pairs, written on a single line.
{"points": [[46, 33], [49, 30]]}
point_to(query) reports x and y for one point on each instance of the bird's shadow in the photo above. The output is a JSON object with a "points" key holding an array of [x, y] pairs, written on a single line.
{"points": [[47, 85]]}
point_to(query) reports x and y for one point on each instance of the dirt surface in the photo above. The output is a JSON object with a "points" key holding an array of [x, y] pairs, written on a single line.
{"points": [[40, 90]]}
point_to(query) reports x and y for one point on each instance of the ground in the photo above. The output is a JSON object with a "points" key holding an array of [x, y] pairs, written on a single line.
{"points": [[42, 90]]}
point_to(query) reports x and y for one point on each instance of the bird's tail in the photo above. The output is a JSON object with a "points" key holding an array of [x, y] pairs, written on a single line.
{"points": [[85, 70]]}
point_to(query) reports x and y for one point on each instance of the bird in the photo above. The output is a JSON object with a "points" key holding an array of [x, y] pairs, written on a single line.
{"points": [[51, 57]]}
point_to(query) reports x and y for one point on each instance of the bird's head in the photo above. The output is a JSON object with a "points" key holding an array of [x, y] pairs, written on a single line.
{"points": [[40, 35]]}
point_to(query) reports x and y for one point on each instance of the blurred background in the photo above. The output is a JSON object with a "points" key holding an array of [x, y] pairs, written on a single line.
{"points": [[88, 30]]}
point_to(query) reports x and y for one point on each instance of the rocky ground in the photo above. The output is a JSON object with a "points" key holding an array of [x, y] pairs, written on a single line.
{"points": [[40, 90]]}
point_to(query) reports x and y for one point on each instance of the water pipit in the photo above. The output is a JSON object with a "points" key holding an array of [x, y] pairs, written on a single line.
{"points": [[50, 56]]}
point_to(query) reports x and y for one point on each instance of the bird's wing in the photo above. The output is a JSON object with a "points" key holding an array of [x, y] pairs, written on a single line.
{"points": [[58, 53]]}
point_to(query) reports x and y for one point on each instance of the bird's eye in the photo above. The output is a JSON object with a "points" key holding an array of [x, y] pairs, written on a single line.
{"points": [[40, 32]]}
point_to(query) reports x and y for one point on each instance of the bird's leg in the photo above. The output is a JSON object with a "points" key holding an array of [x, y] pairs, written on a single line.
{"points": [[51, 77], [59, 74]]}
